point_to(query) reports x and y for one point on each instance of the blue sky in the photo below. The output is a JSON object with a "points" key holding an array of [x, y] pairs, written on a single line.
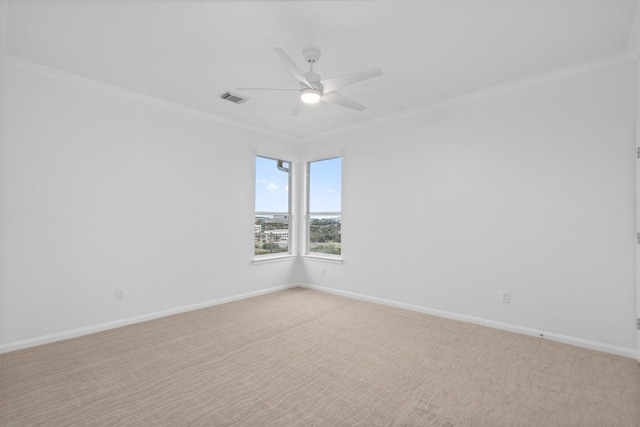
{"points": [[272, 186], [325, 185]]}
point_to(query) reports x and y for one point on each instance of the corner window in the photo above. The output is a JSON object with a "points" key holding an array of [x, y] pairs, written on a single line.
{"points": [[324, 207], [272, 228]]}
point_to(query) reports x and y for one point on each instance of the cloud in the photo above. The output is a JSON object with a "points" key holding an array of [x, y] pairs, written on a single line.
{"points": [[272, 186], [330, 190]]}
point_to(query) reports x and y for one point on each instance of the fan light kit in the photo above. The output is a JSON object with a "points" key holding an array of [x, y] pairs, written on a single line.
{"points": [[310, 96], [313, 88]]}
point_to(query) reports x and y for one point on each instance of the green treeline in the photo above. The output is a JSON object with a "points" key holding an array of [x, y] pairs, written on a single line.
{"points": [[324, 230]]}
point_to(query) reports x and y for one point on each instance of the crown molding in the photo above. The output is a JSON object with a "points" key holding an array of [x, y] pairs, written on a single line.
{"points": [[4, 9], [54, 73], [489, 92], [468, 98], [633, 47]]}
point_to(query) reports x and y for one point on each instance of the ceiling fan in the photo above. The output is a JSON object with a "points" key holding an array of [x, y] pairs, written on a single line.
{"points": [[313, 88]]}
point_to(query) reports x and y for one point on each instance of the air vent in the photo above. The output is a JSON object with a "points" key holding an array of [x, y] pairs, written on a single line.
{"points": [[233, 98]]}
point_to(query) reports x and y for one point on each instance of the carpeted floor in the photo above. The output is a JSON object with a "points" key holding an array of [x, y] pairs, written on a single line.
{"points": [[306, 358]]}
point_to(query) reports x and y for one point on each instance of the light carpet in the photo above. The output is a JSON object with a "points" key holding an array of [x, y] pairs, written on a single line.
{"points": [[306, 358]]}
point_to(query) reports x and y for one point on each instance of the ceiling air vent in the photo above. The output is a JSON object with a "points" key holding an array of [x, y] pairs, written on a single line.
{"points": [[233, 98]]}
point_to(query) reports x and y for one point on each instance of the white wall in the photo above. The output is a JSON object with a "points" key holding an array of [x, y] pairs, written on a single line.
{"points": [[530, 192], [100, 191], [637, 64]]}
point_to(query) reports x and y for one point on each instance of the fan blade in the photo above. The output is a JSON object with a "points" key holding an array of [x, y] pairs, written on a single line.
{"points": [[297, 109], [336, 98], [268, 88], [339, 82], [291, 66]]}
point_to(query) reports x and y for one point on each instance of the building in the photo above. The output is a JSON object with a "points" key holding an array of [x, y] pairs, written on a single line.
{"points": [[277, 219], [280, 234]]}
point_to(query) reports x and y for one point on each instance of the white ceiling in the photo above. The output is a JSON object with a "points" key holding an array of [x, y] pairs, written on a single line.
{"points": [[189, 52]]}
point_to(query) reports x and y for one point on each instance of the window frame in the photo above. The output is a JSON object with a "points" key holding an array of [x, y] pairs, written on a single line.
{"points": [[271, 257], [308, 214]]}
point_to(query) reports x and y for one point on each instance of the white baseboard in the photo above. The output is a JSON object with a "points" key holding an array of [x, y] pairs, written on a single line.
{"points": [[46, 339], [59, 336], [593, 345]]}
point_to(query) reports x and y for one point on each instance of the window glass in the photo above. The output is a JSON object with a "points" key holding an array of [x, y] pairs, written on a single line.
{"points": [[325, 234], [272, 186], [325, 207], [325, 185], [272, 225]]}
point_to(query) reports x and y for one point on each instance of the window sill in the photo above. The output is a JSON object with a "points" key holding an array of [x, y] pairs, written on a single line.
{"points": [[323, 258], [266, 259]]}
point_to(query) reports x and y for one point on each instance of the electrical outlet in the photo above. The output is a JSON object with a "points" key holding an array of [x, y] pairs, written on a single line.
{"points": [[505, 297], [119, 294], [322, 271]]}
